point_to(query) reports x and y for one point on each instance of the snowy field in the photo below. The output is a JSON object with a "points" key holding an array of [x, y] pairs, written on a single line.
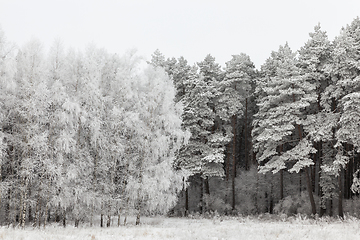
{"points": [[181, 228]]}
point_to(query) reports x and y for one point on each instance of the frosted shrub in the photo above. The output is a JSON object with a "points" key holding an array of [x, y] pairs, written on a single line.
{"points": [[251, 187], [294, 204], [352, 206], [216, 204], [288, 206]]}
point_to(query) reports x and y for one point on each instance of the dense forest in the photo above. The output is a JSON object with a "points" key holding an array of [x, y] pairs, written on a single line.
{"points": [[92, 137]]}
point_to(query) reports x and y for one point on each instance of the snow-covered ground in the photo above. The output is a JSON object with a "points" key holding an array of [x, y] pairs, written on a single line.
{"points": [[181, 228]]}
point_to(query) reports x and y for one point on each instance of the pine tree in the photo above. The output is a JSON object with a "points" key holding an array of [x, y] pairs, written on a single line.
{"points": [[234, 91], [278, 135], [340, 100], [313, 59], [157, 59]]}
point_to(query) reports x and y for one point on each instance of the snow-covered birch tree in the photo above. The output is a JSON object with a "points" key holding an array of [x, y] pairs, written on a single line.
{"points": [[154, 125]]}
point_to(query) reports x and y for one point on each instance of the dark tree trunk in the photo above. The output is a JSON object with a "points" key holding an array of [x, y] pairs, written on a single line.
{"points": [[101, 220], [281, 184], [201, 195], [234, 120], [64, 218], [281, 176], [256, 194], [300, 182], [247, 165], [340, 196], [108, 221], [39, 217], [331, 207], [77, 222], [322, 204], [310, 191], [313, 169], [228, 160], [207, 186], [57, 216], [271, 201], [30, 213], [137, 219], [186, 202], [118, 224]]}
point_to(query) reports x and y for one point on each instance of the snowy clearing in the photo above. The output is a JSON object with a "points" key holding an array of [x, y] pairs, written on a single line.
{"points": [[182, 228]]}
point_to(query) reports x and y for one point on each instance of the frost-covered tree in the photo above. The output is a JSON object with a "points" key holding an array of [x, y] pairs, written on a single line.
{"points": [[7, 100], [29, 129], [204, 155], [199, 156], [179, 73], [314, 56], [234, 91], [340, 99], [157, 59], [278, 135], [154, 122]]}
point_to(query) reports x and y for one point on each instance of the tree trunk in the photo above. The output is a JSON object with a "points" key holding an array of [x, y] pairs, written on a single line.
{"points": [[119, 218], [340, 196], [46, 209], [228, 160], [201, 195], [64, 218], [271, 200], [77, 222], [281, 184], [37, 211], [247, 165], [256, 194], [39, 218], [310, 191], [323, 204], [281, 176], [186, 202], [7, 208], [300, 182], [125, 219], [108, 221], [23, 217], [92, 215], [137, 219], [331, 207], [233, 193], [234, 118], [101, 220], [30, 212]]}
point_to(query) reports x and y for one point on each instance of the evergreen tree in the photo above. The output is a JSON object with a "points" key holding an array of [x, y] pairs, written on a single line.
{"points": [[278, 135], [234, 91], [340, 99], [313, 59], [157, 59]]}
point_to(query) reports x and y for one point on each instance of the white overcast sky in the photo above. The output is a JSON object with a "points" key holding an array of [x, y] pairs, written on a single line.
{"points": [[189, 28]]}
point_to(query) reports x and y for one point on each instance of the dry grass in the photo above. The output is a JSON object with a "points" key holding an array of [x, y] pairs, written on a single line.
{"points": [[218, 228]]}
